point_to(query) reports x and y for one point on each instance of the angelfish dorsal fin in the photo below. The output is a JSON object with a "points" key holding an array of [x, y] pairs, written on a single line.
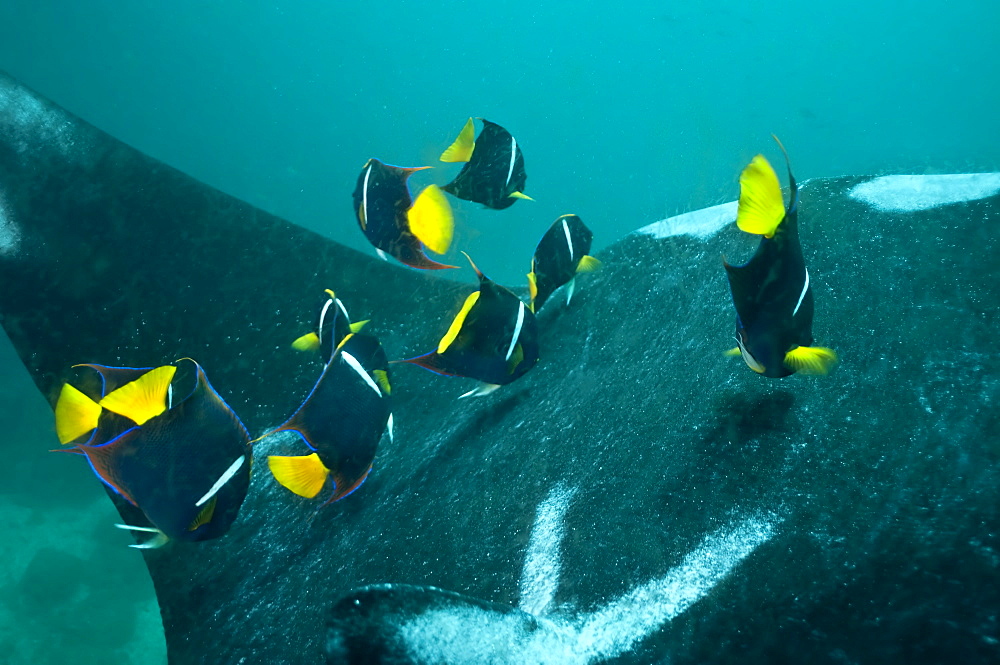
{"points": [[144, 398], [463, 146], [456, 324]]}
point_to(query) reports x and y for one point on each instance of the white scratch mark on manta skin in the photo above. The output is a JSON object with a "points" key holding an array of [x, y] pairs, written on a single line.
{"points": [[701, 224], [909, 193], [10, 234], [471, 635]]}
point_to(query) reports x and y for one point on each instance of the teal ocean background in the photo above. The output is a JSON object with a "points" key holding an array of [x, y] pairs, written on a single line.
{"points": [[626, 114]]}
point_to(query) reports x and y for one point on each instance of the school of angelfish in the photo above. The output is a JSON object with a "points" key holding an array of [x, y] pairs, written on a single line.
{"points": [[165, 441]]}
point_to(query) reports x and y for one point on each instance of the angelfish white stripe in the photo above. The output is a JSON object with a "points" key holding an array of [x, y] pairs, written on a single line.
{"points": [[517, 330], [223, 479], [513, 157], [322, 318], [569, 241], [364, 195], [805, 287], [170, 396], [356, 366]]}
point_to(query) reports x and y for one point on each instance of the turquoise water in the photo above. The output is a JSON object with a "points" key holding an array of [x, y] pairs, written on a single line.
{"points": [[625, 116]]}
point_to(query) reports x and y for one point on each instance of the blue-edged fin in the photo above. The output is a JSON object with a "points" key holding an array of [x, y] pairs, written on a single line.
{"points": [[304, 475], [76, 414], [144, 398], [810, 359], [464, 144], [431, 219], [588, 264], [308, 342], [761, 207], [456, 324], [520, 195]]}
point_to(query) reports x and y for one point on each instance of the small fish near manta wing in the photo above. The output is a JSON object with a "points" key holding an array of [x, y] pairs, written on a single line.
{"points": [[396, 224], [184, 463], [332, 325], [771, 292], [493, 338], [493, 173], [560, 255], [341, 421]]}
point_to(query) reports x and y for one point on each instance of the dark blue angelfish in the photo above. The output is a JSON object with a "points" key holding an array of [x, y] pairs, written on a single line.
{"points": [[332, 325], [397, 225], [184, 463], [771, 291], [494, 166], [560, 255], [493, 338], [341, 422]]}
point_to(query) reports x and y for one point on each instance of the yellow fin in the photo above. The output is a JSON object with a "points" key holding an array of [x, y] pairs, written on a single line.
{"points": [[308, 342], [733, 352], [588, 264], [382, 379], [304, 475], [206, 514], [810, 359], [456, 324], [76, 414], [515, 359], [761, 207], [358, 325], [461, 149], [144, 398], [431, 219], [532, 285], [519, 195]]}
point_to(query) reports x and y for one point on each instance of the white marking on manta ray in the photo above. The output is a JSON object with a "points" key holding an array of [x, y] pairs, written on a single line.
{"points": [[701, 224], [909, 193], [10, 234], [517, 330], [27, 123], [513, 158], [468, 635], [226, 476], [362, 372], [805, 287]]}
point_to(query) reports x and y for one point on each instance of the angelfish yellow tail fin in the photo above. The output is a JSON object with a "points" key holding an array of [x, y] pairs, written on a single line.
{"points": [[761, 207], [304, 475], [431, 219], [588, 264], [308, 342], [144, 398], [76, 414], [465, 143], [815, 360]]}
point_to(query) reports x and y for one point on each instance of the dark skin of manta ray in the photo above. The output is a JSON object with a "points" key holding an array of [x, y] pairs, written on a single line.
{"points": [[382, 201], [483, 179], [765, 291]]}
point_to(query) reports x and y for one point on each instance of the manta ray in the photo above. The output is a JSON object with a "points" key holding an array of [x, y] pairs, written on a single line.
{"points": [[707, 513]]}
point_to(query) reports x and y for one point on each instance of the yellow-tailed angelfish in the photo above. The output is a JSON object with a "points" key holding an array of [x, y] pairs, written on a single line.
{"points": [[397, 225], [332, 325], [493, 173], [341, 422], [560, 255], [771, 292], [184, 463], [493, 338]]}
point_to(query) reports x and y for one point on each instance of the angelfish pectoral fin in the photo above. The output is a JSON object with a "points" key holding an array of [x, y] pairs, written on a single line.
{"points": [[156, 542], [520, 195]]}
